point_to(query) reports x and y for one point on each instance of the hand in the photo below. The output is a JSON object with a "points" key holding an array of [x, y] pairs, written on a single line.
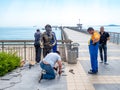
{"points": [[51, 45], [42, 46], [59, 72], [94, 43]]}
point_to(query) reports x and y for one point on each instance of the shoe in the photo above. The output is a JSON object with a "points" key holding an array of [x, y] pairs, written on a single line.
{"points": [[90, 72], [40, 77], [106, 63], [90, 69], [101, 61], [55, 69]]}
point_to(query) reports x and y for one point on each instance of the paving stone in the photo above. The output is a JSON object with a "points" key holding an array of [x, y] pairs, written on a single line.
{"points": [[29, 81], [111, 69], [107, 86]]}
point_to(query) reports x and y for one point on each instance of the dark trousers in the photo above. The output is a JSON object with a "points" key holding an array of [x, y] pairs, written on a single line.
{"points": [[102, 48], [54, 48], [46, 50], [50, 74], [37, 54]]}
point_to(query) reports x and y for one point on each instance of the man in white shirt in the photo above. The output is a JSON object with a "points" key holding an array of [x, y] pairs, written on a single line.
{"points": [[48, 64]]}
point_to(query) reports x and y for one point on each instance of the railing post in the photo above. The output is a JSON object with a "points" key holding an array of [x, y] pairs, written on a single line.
{"points": [[118, 38], [113, 37], [24, 50], [2, 46]]}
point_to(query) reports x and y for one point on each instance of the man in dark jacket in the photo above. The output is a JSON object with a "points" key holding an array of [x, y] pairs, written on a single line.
{"points": [[37, 36], [104, 36]]}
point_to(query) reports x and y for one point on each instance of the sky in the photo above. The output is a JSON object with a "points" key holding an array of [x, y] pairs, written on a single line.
{"points": [[59, 12]]}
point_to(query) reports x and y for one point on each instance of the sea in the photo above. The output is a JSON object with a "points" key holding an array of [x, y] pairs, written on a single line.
{"points": [[27, 33], [106, 28], [23, 33]]}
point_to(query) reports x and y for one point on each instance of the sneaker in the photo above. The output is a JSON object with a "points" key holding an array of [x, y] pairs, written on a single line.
{"points": [[90, 72], [106, 63], [40, 77], [90, 69], [101, 61]]}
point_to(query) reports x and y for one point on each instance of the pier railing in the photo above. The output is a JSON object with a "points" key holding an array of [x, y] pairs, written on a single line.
{"points": [[25, 48], [114, 36]]}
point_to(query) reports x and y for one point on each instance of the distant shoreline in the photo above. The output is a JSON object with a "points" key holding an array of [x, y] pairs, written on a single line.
{"points": [[113, 25]]}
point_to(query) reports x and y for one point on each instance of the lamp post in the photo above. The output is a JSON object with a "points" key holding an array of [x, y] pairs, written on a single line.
{"points": [[80, 25], [79, 21]]}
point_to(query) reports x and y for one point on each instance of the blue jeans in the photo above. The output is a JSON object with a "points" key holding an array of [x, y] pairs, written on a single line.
{"points": [[102, 48], [50, 74], [93, 50]]}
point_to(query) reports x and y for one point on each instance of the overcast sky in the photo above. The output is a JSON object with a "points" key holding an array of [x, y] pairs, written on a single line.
{"points": [[59, 12]]}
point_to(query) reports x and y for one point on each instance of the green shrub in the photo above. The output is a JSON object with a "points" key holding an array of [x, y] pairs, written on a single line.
{"points": [[8, 62]]}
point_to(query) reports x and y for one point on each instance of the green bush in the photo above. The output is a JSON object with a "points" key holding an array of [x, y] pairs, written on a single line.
{"points": [[8, 62]]}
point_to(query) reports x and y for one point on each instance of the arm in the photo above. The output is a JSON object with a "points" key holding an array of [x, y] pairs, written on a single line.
{"points": [[108, 36], [60, 66], [96, 37], [95, 41], [54, 41], [41, 41]]}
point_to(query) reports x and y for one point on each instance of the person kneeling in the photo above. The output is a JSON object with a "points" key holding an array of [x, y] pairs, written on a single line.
{"points": [[48, 64]]}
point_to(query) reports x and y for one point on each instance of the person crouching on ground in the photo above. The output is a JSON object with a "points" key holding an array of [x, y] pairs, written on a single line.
{"points": [[48, 64]]}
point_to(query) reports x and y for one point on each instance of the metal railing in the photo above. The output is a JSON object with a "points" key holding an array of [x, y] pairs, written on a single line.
{"points": [[114, 37], [25, 48]]}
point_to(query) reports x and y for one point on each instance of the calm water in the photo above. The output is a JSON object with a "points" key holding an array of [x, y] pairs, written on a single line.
{"points": [[22, 33], [26, 33], [110, 29], [107, 28]]}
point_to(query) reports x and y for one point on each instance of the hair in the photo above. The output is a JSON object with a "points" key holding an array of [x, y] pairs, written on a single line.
{"points": [[101, 27], [57, 52], [90, 29], [48, 26], [38, 30]]}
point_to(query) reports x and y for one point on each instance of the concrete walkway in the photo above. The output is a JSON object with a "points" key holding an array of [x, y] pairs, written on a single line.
{"points": [[108, 77], [27, 79]]}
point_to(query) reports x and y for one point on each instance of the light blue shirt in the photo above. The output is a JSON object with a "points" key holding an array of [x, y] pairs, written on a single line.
{"points": [[52, 58]]}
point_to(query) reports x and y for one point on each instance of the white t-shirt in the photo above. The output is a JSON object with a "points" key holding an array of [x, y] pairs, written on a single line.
{"points": [[52, 58]]}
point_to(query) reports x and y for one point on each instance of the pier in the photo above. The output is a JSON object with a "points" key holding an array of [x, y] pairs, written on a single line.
{"points": [[75, 76]]}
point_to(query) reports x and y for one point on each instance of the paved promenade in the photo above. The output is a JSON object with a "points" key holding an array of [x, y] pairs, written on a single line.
{"points": [[108, 77]]}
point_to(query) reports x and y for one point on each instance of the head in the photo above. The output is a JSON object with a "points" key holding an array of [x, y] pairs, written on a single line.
{"points": [[48, 28], [101, 29], [38, 30], [57, 52], [90, 30]]}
